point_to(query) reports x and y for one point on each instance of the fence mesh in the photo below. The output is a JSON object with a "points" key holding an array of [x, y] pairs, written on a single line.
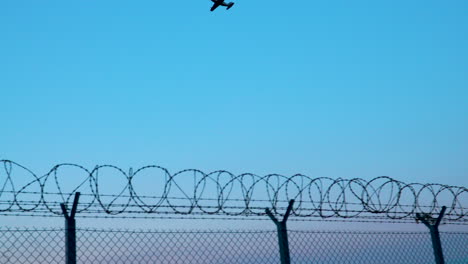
{"points": [[125, 246]]}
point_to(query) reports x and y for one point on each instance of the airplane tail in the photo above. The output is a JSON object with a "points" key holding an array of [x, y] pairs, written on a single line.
{"points": [[230, 4]]}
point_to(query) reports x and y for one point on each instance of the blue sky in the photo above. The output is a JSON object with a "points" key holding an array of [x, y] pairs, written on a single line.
{"points": [[325, 88]]}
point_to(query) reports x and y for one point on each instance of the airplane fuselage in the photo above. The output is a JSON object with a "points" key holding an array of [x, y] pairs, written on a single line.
{"points": [[221, 3]]}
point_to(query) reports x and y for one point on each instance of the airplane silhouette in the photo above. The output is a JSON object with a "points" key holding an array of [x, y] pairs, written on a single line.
{"points": [[221, 3]]}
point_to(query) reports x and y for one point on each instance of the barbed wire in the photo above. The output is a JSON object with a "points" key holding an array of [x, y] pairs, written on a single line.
{"points": [[107, 190]]}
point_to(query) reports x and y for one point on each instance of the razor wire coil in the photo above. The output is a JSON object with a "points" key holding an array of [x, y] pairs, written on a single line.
{"points": [[154, 191]]}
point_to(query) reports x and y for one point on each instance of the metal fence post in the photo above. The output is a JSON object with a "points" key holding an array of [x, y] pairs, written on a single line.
{"points": [[433, 225], [70, 231], [282, 233]]}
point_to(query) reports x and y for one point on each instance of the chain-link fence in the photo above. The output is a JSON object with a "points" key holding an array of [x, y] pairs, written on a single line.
{"points": [[124, 246]]}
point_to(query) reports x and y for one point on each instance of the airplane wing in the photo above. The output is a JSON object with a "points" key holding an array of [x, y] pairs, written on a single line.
{"points": [[229, 5], [215, 5]]}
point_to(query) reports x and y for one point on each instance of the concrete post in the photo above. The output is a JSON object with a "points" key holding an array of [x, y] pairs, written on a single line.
{"points": [[433, 225], [70, 231], [282, 233]]}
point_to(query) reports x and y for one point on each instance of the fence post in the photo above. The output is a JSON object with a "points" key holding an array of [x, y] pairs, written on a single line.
{"points": [[282, 233], [433, 225], [70, 231]]}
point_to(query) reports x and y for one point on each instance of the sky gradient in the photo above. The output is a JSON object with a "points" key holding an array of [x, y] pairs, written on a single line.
{"points": [[324, 88]]}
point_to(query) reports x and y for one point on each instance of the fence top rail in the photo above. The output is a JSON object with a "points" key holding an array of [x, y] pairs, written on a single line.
{"points": [[224, 231], [154, 192]]}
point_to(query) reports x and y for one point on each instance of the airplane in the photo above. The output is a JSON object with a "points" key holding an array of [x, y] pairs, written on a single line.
{"points": [[221, 3]]}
